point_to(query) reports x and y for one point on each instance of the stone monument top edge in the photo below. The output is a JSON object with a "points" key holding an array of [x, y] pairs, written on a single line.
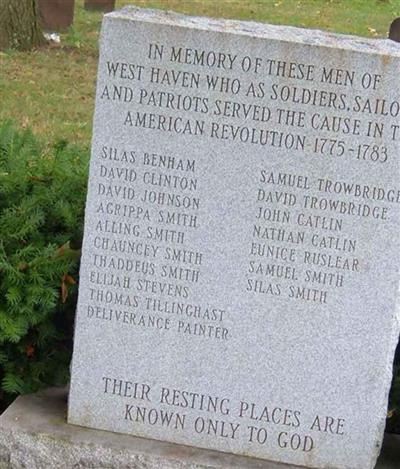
{"points": [[286, 33]]}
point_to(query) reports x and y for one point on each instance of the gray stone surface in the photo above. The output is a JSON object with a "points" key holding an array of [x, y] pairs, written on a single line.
{"points": [[34, 434], [240, 270]]}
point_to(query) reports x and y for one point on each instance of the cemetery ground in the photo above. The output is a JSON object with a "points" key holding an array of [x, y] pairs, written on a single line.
{"points": [[51, 89]]}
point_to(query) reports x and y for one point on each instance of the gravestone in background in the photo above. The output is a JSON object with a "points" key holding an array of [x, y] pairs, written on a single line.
{"points": [[102, 5], [394, 31], [240, 270], [56, 15]]}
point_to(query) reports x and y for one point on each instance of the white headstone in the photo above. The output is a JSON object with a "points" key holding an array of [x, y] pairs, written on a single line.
{"points": [[240, 270]]}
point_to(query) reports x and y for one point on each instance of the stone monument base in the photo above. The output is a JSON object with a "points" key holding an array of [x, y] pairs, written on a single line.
{"points": [[34, 433]]}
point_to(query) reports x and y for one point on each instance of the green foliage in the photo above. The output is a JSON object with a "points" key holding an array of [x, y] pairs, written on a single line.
{"points": [[42, 198]]}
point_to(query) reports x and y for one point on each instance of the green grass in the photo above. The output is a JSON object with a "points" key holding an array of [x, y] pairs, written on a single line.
{"points": [[52, 89]]}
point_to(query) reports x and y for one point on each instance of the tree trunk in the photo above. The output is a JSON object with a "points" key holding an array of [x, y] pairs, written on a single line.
{"points": [[19, 25]]}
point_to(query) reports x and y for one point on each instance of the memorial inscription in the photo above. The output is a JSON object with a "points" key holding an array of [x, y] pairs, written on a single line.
{"points": [[240, 269]]}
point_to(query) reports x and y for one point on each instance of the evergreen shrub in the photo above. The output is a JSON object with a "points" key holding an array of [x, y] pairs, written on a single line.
{"points": [[42, 198]]}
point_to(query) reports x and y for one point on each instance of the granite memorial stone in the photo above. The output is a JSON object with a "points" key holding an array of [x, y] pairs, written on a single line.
{"points": [[240, 270]]}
